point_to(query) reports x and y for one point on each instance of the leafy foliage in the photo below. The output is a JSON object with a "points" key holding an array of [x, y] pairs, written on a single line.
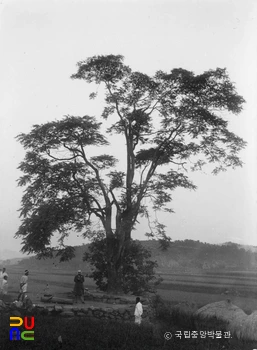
{"points": [[137, 270], [171, 123]]}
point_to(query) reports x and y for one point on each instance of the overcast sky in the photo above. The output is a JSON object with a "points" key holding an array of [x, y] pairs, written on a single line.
{"points": [[42, 40]]}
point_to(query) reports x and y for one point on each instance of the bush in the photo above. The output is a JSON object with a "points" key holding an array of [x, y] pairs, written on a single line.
{"points": [[137, 270]]}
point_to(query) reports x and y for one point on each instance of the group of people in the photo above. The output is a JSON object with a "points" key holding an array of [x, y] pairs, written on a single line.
{"points": [[78, 290], [79, 293], [23, 284]]}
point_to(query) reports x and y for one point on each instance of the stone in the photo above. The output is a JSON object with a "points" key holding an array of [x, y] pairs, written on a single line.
{"points": [[16, 304], [50, 308], [58, 308], [108, 309], [91, 308], [122, 310]]}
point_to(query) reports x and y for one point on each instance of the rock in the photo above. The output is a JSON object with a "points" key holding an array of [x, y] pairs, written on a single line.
{"points": [[58, 308], [108, 309], [50, 308], [91, 308], [16, 304], [122, 310]]}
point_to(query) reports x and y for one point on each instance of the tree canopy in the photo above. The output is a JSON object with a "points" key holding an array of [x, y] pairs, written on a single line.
{"points": [[171, 123]]}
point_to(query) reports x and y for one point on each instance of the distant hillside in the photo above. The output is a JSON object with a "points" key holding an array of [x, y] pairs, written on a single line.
{"points": [[10, 257], [8, 262], [9, 254], [187, 255]]}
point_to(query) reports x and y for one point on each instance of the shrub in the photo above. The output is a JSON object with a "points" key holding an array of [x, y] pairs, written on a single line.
{"points": [[137, 270]]}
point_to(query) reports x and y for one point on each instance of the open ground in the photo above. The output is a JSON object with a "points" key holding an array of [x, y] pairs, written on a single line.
{"points": [[198, 289]]}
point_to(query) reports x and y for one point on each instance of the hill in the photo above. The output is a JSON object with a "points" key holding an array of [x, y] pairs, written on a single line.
{"points": [[187, 255]]}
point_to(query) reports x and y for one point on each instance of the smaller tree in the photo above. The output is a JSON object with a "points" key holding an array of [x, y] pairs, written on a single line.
{"points": [[137, 272]]}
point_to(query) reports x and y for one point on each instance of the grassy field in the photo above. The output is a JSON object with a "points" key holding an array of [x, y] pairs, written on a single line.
{"points": [[200, 289], [207, 287], [60, 282], [93, 334]]}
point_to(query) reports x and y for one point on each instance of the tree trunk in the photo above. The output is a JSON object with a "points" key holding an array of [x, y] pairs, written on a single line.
{"points": [[113, 267], [114, 279], [116, 246]]}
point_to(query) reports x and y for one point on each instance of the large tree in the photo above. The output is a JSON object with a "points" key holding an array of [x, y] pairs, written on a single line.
{"points": [[171, 123]]}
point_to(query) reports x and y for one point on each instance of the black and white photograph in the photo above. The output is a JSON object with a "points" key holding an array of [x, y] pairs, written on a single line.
{"points": [[128, 133]]}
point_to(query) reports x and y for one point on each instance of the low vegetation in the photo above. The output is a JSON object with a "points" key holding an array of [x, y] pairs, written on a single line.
{"points": [[137, 271], [101, 335]]}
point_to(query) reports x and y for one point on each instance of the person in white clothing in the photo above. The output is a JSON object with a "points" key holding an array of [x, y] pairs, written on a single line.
{"points": [[2, 274], [23, 285], [5, 285], [138, 311]]}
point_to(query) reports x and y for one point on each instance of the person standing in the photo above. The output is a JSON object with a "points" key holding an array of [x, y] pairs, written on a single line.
{"points": [[23, 285], [79, 287], [2, 274], [138, 311], [4, 288]]}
